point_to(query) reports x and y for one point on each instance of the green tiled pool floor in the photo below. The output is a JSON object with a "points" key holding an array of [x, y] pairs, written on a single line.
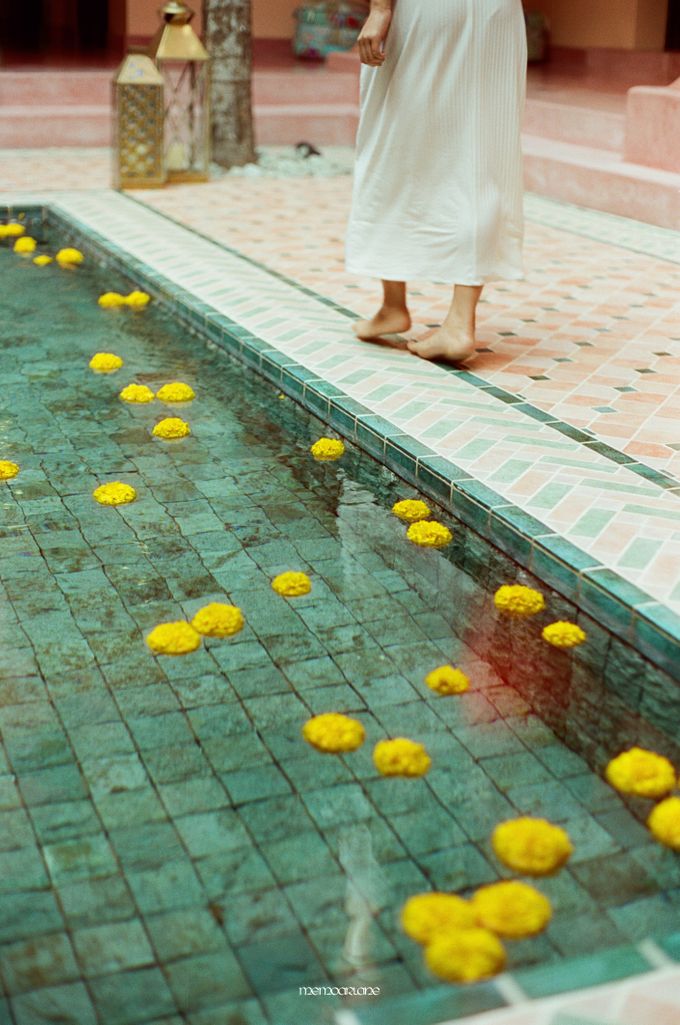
{"points": [[170, 849]]}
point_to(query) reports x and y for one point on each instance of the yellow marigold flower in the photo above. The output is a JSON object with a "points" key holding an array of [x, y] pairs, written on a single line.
{"points": [[136, 393], [429, 534], [69, 257], [325, 450], [8, 469], [563, 635], [42, 261], [25, 244], [11, 230], [664, 822], [518, 600], [426, 914], [115, 493], [173, 638], [401, 757], [447, 680], [218, 620], [176, 391], [333, 733], [641, 772], [110, 300], [533, 847], [465, 955], [410, 510], [105, 362], [292, 584], [170, 428], [137, 299], [512, 909]]}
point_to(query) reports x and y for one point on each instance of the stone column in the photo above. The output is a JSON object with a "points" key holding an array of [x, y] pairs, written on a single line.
{"points": [[227, 33]]}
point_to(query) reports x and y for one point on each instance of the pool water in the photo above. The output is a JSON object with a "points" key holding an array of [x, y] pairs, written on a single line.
{"points": [[171, 849]]}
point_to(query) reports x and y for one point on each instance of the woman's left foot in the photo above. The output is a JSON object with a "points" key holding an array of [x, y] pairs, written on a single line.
{"points": [[450, 344]]}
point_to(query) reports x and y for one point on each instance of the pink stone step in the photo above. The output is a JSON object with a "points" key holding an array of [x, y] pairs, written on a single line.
{"points": [[570, 123], [66, 125], [653, 126], [58, 88], [322, 124]]}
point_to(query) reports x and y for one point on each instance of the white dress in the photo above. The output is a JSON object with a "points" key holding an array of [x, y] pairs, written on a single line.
{"points": [[438, 177]]}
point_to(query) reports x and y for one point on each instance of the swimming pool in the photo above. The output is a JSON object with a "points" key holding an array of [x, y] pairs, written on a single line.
{"points": [[174, 846]]}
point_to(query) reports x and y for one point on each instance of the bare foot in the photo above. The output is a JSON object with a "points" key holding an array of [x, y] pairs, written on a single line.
{"points": [[449, 343], [387, 321]]}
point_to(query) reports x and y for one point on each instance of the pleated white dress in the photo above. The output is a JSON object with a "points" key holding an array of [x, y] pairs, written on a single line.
{"points": [[438, 177]]}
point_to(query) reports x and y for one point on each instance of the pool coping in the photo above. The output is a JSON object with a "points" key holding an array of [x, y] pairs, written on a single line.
{"points": [[621, 607]]}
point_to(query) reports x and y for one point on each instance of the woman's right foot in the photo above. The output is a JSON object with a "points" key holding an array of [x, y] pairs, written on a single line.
{"points": [[387, 321]]}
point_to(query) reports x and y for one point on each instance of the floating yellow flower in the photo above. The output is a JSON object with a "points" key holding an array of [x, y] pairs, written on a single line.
{"points": [[105, 363], [173, 638], [170, 428], [401, 757], [465, 955], [512, 909], [11, 230], [8, 469], [325, 450], [518, 600], [426, 914], [429, 534], [114, 493], [641, 772], [69, 257], [136, 393], [25, 244], [333, 733], [111, 300], [533, 847], [176, 391], [563, 635], [292, 584], [410, 510], [218, 620], [137, 300], [42, 261], [447, 680], [664, 822]]}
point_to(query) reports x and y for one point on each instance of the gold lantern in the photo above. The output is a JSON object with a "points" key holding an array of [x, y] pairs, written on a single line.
{"points": [[138, 124], [184, 64]]}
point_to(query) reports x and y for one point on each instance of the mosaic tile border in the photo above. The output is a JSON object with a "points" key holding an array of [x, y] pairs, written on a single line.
{"points": [[619, 605]]}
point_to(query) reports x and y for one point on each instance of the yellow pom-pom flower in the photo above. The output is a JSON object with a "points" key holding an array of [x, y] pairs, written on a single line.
{"points": [[426, 914], [69, 257], [25, 244], [641, 772], [401, 757], [42, 261], [12, 230], [111, 300], [518, 600], [291, 584], [325, 450], [410, 510], [664, 822], [563, 635], [137, 300], [8, 469], [218, 620], [465, 955], [170, 428], [115, 493], [175, 391], [534, 847], [136, 393], [105, 363], [447, 680], [512, 909], [173, 638], [333, 733], [429, 534]]}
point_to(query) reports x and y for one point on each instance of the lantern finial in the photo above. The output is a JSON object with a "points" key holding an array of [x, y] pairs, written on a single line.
{"points": [[176, 13]]}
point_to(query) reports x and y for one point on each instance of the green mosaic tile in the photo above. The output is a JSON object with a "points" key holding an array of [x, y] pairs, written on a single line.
{"points": [[69, 1003], [110, 948], [207, 981], [121, 997], [579, 973], [42, 961]]}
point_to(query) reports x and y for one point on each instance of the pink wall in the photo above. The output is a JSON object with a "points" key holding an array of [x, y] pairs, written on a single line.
{"points": [[272, 19], [622, 24]]}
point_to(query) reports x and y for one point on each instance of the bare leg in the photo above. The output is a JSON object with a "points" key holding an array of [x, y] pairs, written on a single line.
{"points": [[455, 339], [392, 318]]}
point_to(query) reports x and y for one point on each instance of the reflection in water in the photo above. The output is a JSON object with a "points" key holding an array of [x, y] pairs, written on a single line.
{"points": [[366, 894]]}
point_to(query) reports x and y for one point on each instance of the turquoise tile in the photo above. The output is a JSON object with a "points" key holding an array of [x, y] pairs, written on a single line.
{"points": [[432, 1006], [579, 973], [120, 998], [71, 1003]]}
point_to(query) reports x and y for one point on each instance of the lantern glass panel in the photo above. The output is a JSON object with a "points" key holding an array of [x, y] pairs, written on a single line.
{"points": [[186, 119]]}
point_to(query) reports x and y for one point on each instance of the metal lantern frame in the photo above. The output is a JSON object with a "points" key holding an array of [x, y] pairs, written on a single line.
{"points": [[138, 116]]}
